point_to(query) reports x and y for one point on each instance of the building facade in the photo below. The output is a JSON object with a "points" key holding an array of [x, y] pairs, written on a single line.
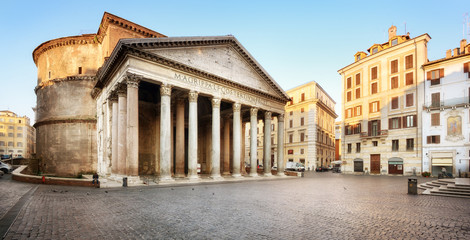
{"points": [[158, 106], [17, 137], [338, 141], [309, 128], [446, 119], [382, 105]]}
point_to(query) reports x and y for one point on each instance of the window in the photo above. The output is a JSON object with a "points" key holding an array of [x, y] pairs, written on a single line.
{"points": [[433, 139], [291, 113], [49, 74], [19, 144], [394, 123], [291, 138], [290, 152], [394, 66], [302, 110], [19, 128], [395, 103], [349, 148], [374, 128], [11, 127], [10, 135], [409, 61], [409, 78], [302, 137], [394, 82], [466, 67], [301, 121], [273, 128], [395, 145], [19, 135], [375, 50], [373, 73], [10, 144], [410, 121], [394, 42], [358, 79], [302, 97], [435, 99], [2, 143], [79, 70], [373, 88], [410, 143], [357, 128], [2, 134], [358, 93], [374, 107], [348, 113], [272, 140], [435, 119], [358, 147], [291, 123], [358, 111], [348, 83], [435, 76], [409, 100], [375, 143], [301, 151], [348, 96]]}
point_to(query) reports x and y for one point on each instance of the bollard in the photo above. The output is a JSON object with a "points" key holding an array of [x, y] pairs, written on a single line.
{"points": [[412, 186], [124, 181]]}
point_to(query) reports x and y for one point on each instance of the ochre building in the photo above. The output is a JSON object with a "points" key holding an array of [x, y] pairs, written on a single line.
{"points": [[383, 92], [17, 137], [149, 105]]}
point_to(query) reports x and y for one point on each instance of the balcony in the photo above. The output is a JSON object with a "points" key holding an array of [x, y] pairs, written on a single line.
{"points": [[447, 104], [375, 134]]}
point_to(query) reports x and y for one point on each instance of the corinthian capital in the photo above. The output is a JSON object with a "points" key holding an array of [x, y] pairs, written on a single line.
{"points": [[133, 80], [216, 102], [253, 112], [237, 107], [280, 118], [267, 116], [165, 90], [192, 95]]}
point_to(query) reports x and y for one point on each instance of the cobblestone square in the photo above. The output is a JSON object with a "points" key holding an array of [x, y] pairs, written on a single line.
{"points": [[318, 206]]}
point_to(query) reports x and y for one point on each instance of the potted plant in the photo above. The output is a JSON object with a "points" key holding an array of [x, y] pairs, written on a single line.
{"points": [[425, 174]]}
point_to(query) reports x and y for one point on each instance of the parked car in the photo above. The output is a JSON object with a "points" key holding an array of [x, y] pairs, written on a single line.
{"points": [[295, 166], [5, 167], [321, 169]]}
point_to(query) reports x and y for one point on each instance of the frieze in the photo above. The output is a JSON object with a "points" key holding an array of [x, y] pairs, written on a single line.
{"points": [[219, 89]]}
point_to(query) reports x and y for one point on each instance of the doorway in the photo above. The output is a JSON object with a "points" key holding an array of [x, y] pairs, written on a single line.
{"points": [[375, 163]]}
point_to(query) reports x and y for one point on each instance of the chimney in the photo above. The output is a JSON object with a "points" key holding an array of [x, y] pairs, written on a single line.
{"points": [[449, 53], [456, 52], [392, 32], [463, 43]]}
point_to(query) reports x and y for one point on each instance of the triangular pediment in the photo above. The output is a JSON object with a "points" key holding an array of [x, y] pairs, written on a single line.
{"points": [[220, 56]]}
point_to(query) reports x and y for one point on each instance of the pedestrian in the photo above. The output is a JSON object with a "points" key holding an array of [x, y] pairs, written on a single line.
{"points": [[95, 179]]}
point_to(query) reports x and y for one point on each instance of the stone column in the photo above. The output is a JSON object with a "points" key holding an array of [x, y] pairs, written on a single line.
{"points": [[253, 141], [192, 138], [236, 143], [215, 148], [133, 125], [114, 133], [267, 144], [226, 146], [280, 145], [122, 129], [180, 148], [165, 133]]}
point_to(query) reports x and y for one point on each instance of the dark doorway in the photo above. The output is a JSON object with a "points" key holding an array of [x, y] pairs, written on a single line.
{"points": [[375, 163]]}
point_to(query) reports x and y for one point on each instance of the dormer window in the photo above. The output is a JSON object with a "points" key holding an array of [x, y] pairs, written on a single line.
{"points": [[358, 57], [394, 41], [375, 50]]}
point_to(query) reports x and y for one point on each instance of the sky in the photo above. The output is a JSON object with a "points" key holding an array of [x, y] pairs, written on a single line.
{"points": [[295, 41]]}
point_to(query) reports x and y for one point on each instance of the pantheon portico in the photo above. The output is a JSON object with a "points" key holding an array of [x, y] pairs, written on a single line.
{"points": [[173, 107]]}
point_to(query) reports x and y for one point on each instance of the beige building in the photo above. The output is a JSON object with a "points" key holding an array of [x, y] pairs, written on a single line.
{"points": [[17, 137], [381, 106], [309, 128]]}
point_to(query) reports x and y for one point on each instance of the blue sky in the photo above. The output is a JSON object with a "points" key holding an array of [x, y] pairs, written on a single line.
{"points": [[295, 41]]}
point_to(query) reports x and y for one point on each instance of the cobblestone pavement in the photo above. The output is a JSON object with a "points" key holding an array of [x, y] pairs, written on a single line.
{"points": [[10, 192], [318, 206]]}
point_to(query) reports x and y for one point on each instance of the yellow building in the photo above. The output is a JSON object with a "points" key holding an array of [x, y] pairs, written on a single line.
{"points": [[381, 107], [309, 135], [17, 137]]}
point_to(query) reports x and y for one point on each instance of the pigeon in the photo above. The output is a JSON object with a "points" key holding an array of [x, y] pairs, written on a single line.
{"points": [[106, 191], [345, 188], [87, 193], [193, 189]]}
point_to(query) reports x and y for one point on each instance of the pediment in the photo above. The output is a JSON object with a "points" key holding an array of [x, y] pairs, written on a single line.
{"points": [[220, 56]]}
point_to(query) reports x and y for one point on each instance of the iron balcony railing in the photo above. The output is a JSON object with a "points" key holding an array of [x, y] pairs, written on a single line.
{"points": [[448, 103]]}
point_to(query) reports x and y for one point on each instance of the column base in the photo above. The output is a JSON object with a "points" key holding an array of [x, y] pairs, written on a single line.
{"points": [[267, 175], [165, 179], [253, 175], [281, 174], [217, 177], [179, 175], [236, 175], [193, 178]]}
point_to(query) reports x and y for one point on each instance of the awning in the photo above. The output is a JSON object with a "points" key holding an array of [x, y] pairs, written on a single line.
{"points": [[442, 162], [395, 162]]}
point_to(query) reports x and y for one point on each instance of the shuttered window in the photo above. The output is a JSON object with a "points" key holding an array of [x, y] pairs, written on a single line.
{"points": [[394, 123], [373, 88], [358, 111], [374, 107], [373, 73], [409, 78], [409, 61], [466, 68], [358, 93], [348, 83], [409, 100], [410, 121], [436, 99], [394, 82], [394, 66], [433, 139], [302, 97], [435, 119], [394, 102], [348, 96], [358, 79]]}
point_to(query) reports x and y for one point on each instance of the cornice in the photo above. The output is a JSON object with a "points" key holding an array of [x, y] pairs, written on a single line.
{"points": [[64, 120], [124, 49], [66, 79], [65, 41]]}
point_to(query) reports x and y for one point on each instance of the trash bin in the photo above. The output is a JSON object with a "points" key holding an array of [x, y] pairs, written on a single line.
{"points": [[124, 181], [412, 186]]}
